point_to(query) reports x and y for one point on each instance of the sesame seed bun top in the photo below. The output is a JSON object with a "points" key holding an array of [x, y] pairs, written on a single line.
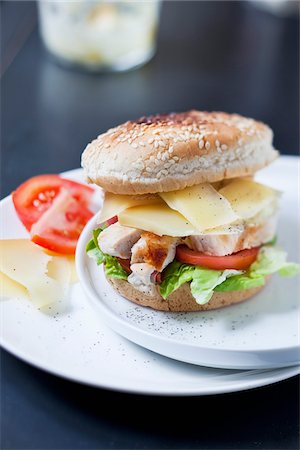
{"points": [[171, 151]]}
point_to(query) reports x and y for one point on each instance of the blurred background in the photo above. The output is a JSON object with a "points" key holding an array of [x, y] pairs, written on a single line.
{"points": [[59, 94]]}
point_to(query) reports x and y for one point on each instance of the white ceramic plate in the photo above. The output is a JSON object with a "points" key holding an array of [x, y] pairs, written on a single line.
{"points": [[77, 344], [260, 333]]}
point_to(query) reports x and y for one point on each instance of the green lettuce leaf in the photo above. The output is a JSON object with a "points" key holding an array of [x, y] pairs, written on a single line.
{"points": [[93, 249], [112, 266], [175, 275], [206, 280], [240, 282], [271, 260], [272, 241], [289, 269], [203, 281]]}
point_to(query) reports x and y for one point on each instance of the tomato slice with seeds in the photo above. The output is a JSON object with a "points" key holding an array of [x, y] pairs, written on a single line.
{"points": [[239, 261], [35, 196], [59, 228]]}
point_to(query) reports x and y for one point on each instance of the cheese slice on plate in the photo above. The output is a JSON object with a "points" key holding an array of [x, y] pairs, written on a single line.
{"points": [[45, 277], [74, 276], [248, 197], [201, 205], [158, 219], [59, 268], [10, 288], [114, 204]]}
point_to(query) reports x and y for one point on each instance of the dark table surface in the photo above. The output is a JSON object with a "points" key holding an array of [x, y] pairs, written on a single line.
{"points": [[213, 56]]}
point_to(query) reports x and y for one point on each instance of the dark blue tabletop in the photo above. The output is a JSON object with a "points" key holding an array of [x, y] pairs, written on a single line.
{"points": [[211, 55]]}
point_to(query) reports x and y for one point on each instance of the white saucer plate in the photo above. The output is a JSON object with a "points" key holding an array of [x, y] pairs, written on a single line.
{"points": [[260, 333], [77, 344]]}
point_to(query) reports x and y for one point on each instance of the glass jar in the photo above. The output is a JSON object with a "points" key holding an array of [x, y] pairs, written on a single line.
{"points": [[100, 35]]}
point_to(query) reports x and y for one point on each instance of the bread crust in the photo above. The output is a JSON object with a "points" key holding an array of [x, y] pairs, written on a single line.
{"points": [[180, 300], [168, 152]]}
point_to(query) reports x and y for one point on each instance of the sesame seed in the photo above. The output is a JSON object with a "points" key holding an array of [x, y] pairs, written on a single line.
{"points": [[207, 145], [148, 169], [156, 144], [217, 142], [139, 165], [159, 155], [201, 143], [106, 145], [171, 150]]}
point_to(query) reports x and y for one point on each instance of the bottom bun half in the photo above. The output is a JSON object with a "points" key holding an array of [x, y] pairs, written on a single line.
{"points": [[180, 300]]}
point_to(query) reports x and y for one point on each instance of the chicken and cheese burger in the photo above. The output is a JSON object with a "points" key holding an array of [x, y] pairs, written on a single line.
{"points": [[184, 225]]}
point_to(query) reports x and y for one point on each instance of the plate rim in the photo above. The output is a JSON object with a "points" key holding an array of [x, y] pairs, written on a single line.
{"points": [[275, 376]]}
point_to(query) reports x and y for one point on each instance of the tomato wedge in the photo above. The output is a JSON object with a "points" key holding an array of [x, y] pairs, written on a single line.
{"points": [[35, 196], [239, 261], [59, 228]]}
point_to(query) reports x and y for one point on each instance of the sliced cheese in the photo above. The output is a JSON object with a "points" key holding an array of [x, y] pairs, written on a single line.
{"points": [[158, 219], [226, 229], [10, 288], [27, 264], [59, 268], [114, 204], [247, 197], [201, 205], [71, 261], [74, 276]]}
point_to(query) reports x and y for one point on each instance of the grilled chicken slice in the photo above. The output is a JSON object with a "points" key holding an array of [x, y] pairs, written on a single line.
{"points": [[117, 240], [150, 255], [214, 244], [225, 244], [141, 278], [157, 251]]}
